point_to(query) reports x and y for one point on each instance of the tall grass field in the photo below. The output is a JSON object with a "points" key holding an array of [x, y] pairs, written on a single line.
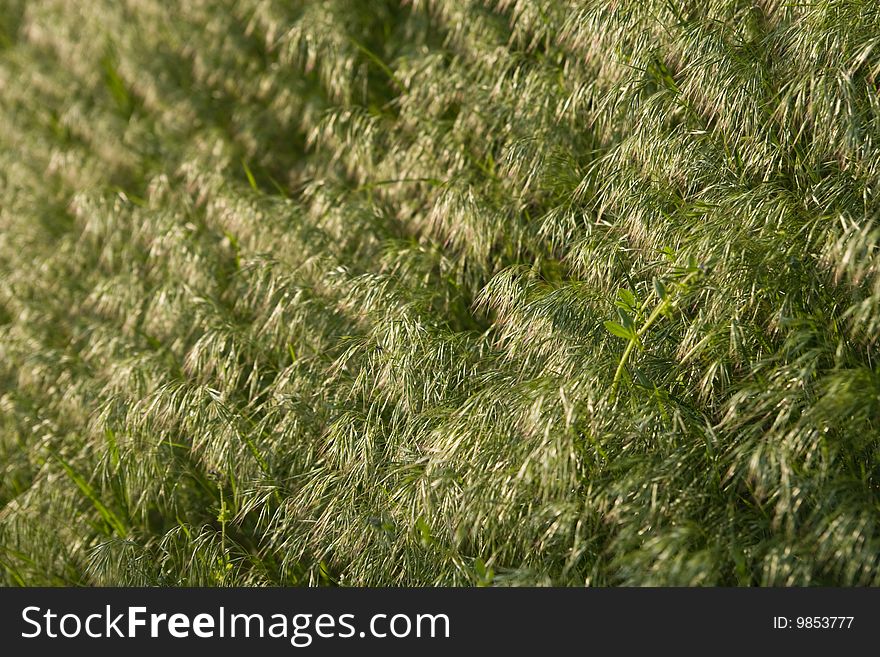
{"points": [[439, 292]]}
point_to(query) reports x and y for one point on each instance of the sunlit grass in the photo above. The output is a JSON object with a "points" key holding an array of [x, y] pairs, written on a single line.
{"points": [[429, 293]]}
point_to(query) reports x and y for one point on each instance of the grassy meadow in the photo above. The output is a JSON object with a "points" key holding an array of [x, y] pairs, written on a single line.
{"points": [[439, 292]]}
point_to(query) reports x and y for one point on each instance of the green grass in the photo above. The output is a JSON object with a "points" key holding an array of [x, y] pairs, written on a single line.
{"points": [[455, 292]]}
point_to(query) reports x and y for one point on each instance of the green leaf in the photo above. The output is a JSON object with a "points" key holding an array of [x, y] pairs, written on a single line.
{"points": [[106, 514], [626, 300], [621, 332], [250, 176], [484, 575], [660, 289], [114, 447], [424, 531], [327, 577]]}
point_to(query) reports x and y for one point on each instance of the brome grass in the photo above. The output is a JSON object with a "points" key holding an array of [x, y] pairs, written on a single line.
{"points": [[439, 292]]}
